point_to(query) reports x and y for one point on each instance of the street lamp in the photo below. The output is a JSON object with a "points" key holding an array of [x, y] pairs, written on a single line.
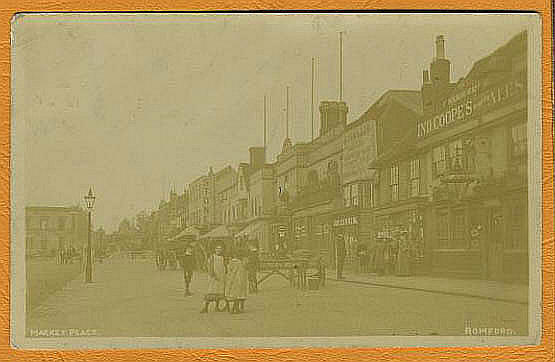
{"points": [[89, 201]]}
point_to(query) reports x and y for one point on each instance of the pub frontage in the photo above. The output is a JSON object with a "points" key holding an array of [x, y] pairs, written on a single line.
{"points": [[474, 146]]}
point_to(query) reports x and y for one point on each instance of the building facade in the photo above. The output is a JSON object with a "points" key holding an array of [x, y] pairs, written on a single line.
{"points": [[457, 181], [48, 229]]}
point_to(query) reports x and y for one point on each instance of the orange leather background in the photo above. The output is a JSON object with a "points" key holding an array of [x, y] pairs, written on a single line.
{"points": [[543, 352]]}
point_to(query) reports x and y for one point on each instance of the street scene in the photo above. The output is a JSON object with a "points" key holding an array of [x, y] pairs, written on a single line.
{"points": [[208, 176]]}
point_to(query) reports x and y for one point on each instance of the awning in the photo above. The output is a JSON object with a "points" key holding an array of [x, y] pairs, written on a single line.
{"points": [[251, 229], [221, 232], [191, 231]]}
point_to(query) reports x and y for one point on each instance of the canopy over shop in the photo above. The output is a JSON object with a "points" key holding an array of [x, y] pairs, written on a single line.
{"points": [[253, 232]]}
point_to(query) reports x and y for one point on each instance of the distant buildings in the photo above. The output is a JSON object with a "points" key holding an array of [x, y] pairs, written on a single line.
{"points": [[445, 164], [49, 228]]}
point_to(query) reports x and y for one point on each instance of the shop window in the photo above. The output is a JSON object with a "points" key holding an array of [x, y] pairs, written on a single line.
{"points": [[442, 229], [394, 183], [459, 228], [519, 141], [414, 185], [439, 161]]}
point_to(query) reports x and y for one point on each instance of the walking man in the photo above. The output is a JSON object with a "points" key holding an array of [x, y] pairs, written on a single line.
{"points": [[340, 252], [187, 262]]}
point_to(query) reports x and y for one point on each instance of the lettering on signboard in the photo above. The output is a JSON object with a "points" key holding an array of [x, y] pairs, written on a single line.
{"points": [[464, 105]]}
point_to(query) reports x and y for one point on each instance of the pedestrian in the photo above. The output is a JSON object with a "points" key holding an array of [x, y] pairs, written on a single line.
{"points": [[216, 279], [252, 268], [237, 281], [340, 253], [363, 257], [379, 258], [187, 261], [403, 258]]}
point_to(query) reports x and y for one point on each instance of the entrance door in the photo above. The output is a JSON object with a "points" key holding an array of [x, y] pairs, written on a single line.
{"points": [[495, 244]]}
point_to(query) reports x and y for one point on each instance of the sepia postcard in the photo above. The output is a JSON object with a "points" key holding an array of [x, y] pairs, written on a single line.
{"points": [[209, 180]]}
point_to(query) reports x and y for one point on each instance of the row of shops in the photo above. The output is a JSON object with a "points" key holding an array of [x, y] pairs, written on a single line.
{"points": [[455, 183]]}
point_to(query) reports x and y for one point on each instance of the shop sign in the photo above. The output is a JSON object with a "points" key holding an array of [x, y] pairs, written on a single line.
{"points": [[346, 220], [465, 105], [359, 149]]}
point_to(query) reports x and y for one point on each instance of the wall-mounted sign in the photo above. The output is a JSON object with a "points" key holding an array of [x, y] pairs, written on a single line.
{"points": [[359, 150], [346, 220], [466, 104]]}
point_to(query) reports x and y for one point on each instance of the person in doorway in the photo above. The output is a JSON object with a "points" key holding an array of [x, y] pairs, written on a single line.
{"points": [[236, 286], [187, 261], [216, 279], [340, 252], [363, 258]]}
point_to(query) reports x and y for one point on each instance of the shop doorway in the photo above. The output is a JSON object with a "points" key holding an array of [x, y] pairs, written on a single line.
{"points": [[495, 244]]}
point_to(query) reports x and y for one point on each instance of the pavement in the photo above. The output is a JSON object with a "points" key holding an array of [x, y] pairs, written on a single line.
{"points": [[477, 288], [133, 299]]}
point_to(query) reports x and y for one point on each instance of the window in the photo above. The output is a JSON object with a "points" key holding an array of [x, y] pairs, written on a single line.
{"points": [[61, 223], [442, 229], [456, 155], [518, 141], [414, 185], [394, 183], [439, 159], [368, 195], [44, 224], [354, 195], [347, 196]]}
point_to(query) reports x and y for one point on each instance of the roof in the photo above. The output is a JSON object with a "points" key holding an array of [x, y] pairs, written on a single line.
{"points": [[406, 145], [499, 60], [409, 99]]}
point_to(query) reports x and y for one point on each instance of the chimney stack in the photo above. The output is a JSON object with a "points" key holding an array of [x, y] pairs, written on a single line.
{"points": [[425, 76], [440, 47]]}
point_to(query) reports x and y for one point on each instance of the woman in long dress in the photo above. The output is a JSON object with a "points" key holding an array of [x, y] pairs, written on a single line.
{"points": [[237, 282], [216, 279]]}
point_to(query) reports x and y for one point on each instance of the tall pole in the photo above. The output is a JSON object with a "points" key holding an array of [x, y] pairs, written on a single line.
{"points": [[265, 129], [88, 266], [287, 113], [312, 100], [341, 66]]}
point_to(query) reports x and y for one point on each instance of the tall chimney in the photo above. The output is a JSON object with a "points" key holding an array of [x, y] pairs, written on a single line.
{"points": [[425, 76], [440, 47]]}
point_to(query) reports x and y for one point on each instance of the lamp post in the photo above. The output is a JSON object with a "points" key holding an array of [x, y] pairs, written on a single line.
{"points": [[89, 201]]}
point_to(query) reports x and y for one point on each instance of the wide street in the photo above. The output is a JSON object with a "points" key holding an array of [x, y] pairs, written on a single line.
{"points": [[132, 298]]}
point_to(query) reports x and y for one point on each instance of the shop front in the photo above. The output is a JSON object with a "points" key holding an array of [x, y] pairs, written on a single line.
{"points": [[404, 224], [484, 235], [355, 227]]}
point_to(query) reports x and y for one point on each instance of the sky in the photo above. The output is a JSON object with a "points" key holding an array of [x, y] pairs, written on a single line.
{"points": [[133, 105]]}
